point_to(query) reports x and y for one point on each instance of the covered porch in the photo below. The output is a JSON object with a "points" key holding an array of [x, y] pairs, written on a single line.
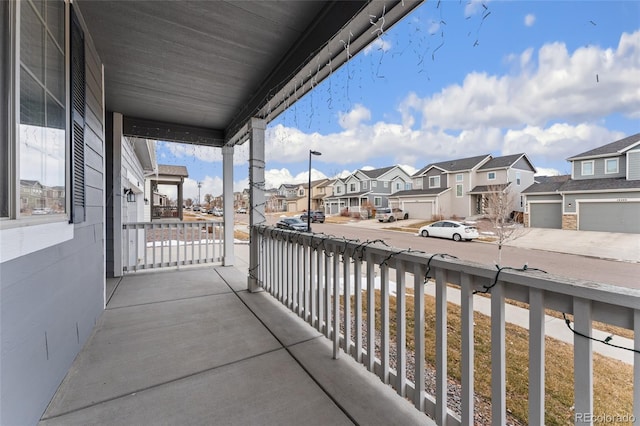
{"points": [[195, 347]]}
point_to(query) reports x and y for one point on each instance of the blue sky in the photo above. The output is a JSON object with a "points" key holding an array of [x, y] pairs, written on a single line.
{"points": [[457, 79]]}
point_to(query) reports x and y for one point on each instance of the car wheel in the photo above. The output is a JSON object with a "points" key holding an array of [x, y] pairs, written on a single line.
{"points": [[456, 237], [380, 220], [406, 216], [392, 219], [424, 233]]}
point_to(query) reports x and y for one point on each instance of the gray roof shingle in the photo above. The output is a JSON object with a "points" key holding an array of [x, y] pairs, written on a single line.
{"points": [[501, 162], [608, 149], [169, 170], [376, 173], [454, 165], [599, 184], [547, 184]]}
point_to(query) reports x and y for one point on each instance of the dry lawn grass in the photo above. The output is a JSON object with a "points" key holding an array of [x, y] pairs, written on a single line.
{"points": [[613, 380]]}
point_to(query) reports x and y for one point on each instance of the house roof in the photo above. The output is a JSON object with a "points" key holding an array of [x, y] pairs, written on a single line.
{"points": [[546, 184], [168, 170], [504, 162], [458, 165], [315, 183], [414, 192], [215, 65], [603, 184], [350, 194], [486, 189], [613, 148], [376, 173]]}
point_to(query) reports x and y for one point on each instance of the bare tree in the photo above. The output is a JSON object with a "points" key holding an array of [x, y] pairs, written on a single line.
{"points": [[500, 205]]}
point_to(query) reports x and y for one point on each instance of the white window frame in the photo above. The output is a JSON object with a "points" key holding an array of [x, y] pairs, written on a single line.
{"points": [[398, 186], [459, 190], [374, 184], [435, 183], [352, 187], [459, 177], [22, 235], [377, 201], [606, 168], [491, 175], [582, 166], [364, 184], [386, 184], [518, 178]]}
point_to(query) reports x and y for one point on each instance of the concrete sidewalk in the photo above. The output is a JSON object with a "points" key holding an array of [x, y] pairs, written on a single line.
{"points": [[601, 245]]}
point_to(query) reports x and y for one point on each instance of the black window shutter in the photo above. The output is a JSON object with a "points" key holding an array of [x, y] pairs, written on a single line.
{"points": [[78, 104]]}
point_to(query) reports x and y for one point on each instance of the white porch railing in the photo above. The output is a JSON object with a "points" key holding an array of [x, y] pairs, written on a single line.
{"points": [[148, 245], [305, 272]]}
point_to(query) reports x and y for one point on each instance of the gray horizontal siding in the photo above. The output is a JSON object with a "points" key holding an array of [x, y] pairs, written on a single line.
{"points": [[52, 298]]}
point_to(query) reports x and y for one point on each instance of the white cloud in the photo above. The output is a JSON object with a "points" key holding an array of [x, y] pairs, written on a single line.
{"points": [[204, 153], [529, 20], [378, 44], [547, 172], [352, 119]]}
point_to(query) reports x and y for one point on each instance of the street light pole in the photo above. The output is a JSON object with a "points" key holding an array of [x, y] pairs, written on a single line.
{"points": [[199, 186], [311, 152]]}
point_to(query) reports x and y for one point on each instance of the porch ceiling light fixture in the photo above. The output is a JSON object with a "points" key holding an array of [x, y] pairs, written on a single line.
{"points": [[311, 152]]}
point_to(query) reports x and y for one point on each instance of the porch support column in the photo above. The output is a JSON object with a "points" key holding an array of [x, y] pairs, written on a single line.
{"points": [[227, 204], [115, 210], [256, 195], [180, 200]]}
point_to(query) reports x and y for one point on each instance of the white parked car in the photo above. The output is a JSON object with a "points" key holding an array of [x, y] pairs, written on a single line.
{"points": [[387, 214], [456, 231]]}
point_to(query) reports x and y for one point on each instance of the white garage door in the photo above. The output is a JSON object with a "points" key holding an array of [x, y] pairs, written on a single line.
{"points": [[419, 209], [609, 217], [545, 215]]}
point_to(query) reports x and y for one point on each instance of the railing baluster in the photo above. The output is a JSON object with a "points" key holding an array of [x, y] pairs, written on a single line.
{"points": [[319, 258], [371, 312], [327, 295], [418, 335], [346, 260], [336, 303], [401, 332], [498, 360], [384, 317], [582, 360], [357, 288], [536, 356], [153, 250], [636, 364], [441, 347], [145, 245], [312, 287], [466, 299]]}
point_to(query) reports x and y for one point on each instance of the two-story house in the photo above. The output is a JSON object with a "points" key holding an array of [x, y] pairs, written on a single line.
{"points": [[367, 188], [603, 193], [460, 187]]}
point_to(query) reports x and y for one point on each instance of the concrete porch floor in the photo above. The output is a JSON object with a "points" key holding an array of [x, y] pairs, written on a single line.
{"points": [[194, 347]]}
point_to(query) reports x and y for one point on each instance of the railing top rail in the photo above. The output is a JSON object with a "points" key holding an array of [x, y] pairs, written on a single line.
{"points": [[526, 277], [177, 222]]}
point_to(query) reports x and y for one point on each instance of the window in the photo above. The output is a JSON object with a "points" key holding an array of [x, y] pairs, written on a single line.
{"points": [[459, 190], [5, 61], [611, 166], [459, 177], [364, 184], [518, 178], [377, 201], [408, 186], [491, 175], [338, 190], [398, 186], [386, 184], [434, 182], [352, 187], [374, 184], [587, 168], [300, 192]]}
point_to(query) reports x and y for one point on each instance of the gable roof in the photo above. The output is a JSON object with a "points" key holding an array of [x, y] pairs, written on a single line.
{"points": [[414, 192], [613, 148], [375, 173], [488, 189], [505, 162], [451, 166], [169, 170]]}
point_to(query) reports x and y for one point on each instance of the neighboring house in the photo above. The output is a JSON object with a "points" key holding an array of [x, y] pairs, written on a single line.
{"points": [[166, 175], [366, 188], [603, 193], [460, 188], [318, 193], [138, 164]]}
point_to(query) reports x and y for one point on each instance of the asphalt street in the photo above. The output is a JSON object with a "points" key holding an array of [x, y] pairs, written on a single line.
{"points": [[625, 274]]}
